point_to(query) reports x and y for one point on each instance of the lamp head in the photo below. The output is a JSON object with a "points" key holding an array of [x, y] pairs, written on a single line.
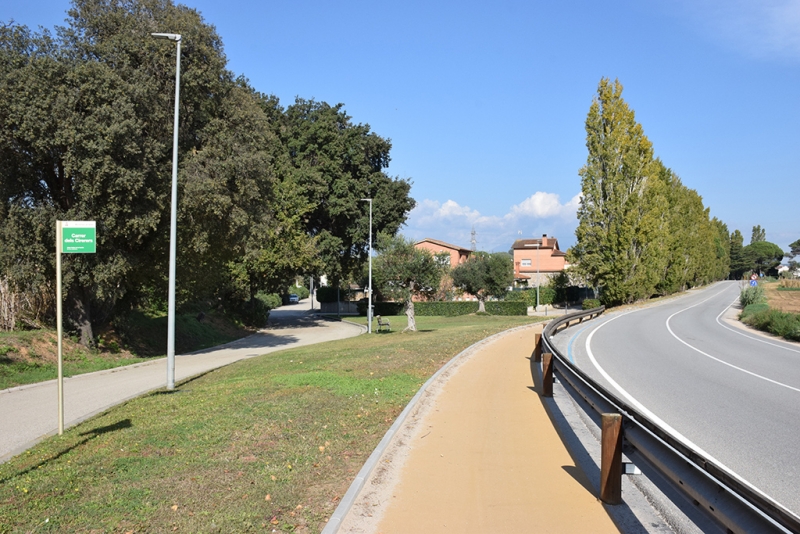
{"points": [[170, 36]]}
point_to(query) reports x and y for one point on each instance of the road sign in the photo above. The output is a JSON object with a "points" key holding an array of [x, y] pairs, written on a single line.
{"points": [[78, 237], [753, 283], [754, 276]]}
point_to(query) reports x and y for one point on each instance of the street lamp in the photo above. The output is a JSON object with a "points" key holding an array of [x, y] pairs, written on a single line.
{"points": [[173, 215], [369, 295]]}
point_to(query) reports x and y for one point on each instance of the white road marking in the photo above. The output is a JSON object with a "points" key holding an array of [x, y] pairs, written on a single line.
{"points": [[723, 362], [660, 422], [754, 338]]}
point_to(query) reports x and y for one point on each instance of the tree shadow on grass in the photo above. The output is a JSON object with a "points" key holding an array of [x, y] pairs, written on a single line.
{"points": [[87, 437]]}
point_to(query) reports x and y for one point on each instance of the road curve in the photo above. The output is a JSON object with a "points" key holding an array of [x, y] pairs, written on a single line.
{"points": [[729, 393], [30, 413]]}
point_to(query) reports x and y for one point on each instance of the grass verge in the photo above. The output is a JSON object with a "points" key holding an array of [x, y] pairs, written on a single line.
{"points": [[268, 444], [27, 357]]}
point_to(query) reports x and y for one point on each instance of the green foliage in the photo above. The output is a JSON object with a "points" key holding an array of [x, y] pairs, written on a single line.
{"points": [[484, 275], [499, 307], [590, 304], [759, 315], [330, 294], [381, 308], [739, 263], [337, 163], [759, 234], [621, 230], [402, 271], [446, 308], [302, 292], [752, 295], [265, 193], [640, 231], [763, 257]]}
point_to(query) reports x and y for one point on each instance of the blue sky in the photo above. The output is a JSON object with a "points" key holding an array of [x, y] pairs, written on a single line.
{"points": [[485, 102]]}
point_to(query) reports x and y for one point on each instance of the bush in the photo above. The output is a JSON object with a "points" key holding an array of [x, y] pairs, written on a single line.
{"points": [[590, 304], [329, 294], [752, 295], [547, 295], [445, 309], [507, 308], [762, 317], [381, 308], [300, 291], [253, 312]]}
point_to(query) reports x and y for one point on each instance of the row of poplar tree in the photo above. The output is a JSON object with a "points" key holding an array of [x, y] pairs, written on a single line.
{"points": [[641, 232], [265, 192]]}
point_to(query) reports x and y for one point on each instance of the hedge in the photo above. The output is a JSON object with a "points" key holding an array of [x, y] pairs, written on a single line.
{"points": [[445, 309], [382, 308], [507, 308]]}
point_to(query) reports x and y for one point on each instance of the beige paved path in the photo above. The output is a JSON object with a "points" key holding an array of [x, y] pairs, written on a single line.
{"points": [[485, 458]]}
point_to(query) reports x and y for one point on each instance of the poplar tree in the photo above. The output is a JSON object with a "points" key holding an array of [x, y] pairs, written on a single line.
{"points": [[622, 225]]}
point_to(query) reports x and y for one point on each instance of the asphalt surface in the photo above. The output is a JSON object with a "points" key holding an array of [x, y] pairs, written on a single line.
{"points": [[30, 413], [728, 392]]}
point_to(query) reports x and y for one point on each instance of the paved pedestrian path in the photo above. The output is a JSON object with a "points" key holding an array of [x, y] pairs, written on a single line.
{"points": [[479, 454], [30, 413]]}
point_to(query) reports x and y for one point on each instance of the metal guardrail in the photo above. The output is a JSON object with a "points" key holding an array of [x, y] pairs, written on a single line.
{"points": [[729, 500]]}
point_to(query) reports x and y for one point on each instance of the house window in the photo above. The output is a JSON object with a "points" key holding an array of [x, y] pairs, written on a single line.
{"points": [[525, 263]]}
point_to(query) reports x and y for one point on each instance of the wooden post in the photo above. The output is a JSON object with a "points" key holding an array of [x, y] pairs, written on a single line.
{"points": [[611, 459], [537, 349], [547, 374]]}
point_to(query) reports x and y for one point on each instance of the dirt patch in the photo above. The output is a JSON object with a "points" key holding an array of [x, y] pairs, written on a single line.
{"points": [[787, 301]]}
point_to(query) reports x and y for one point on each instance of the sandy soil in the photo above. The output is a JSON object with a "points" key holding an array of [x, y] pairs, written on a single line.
{"points": [[785, 301]]}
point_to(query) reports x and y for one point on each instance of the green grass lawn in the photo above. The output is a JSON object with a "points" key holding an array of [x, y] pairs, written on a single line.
{"points": [[269, 444]]}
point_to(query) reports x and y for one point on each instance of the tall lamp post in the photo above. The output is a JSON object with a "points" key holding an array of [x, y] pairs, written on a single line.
{"points": [[173, 214], [369, 295]]}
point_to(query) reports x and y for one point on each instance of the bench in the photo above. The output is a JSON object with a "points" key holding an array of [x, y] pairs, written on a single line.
{"points": [[383, 323]]}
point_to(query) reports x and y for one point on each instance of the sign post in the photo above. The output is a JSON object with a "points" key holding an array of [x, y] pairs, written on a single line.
{"points": [[72, 237]]}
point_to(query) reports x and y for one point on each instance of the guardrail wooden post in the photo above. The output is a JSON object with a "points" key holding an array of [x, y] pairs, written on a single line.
{"points": [[537, 349], [611, 459], [547, 374]]}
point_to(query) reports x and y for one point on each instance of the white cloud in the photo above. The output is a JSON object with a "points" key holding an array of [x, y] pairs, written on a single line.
{"points": [[450, 221], [542, 205]]}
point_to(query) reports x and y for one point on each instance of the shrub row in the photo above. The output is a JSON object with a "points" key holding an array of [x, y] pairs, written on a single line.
{"points": [[761, 316], [752, 295], [590, 304], [507, 308], [447, 309]]}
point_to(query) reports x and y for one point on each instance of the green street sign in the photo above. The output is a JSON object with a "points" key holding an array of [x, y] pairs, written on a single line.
{"points": [[78, 237]]}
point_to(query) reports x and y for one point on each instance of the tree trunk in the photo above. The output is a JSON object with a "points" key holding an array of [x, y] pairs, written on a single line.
{"points": [[82, 319], [481, 307], [412, 322]]}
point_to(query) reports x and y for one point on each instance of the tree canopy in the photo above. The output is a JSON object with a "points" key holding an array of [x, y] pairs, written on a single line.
{"points": [[640, 232], [402, 272], [484, 275], [265, 193]]}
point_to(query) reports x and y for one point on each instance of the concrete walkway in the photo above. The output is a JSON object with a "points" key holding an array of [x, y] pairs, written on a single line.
{"points": [[479, 453], [29, 413]]}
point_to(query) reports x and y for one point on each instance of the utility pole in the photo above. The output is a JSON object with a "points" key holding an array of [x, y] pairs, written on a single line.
{"points": [[474, 241]]}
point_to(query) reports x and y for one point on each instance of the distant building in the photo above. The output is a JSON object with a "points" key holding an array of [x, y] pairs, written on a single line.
{"points": [[532, 256], [457, 255]]}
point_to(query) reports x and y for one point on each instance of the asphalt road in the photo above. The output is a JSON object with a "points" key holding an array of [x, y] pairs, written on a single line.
{"points": [[730, 393], [30, 413]]}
